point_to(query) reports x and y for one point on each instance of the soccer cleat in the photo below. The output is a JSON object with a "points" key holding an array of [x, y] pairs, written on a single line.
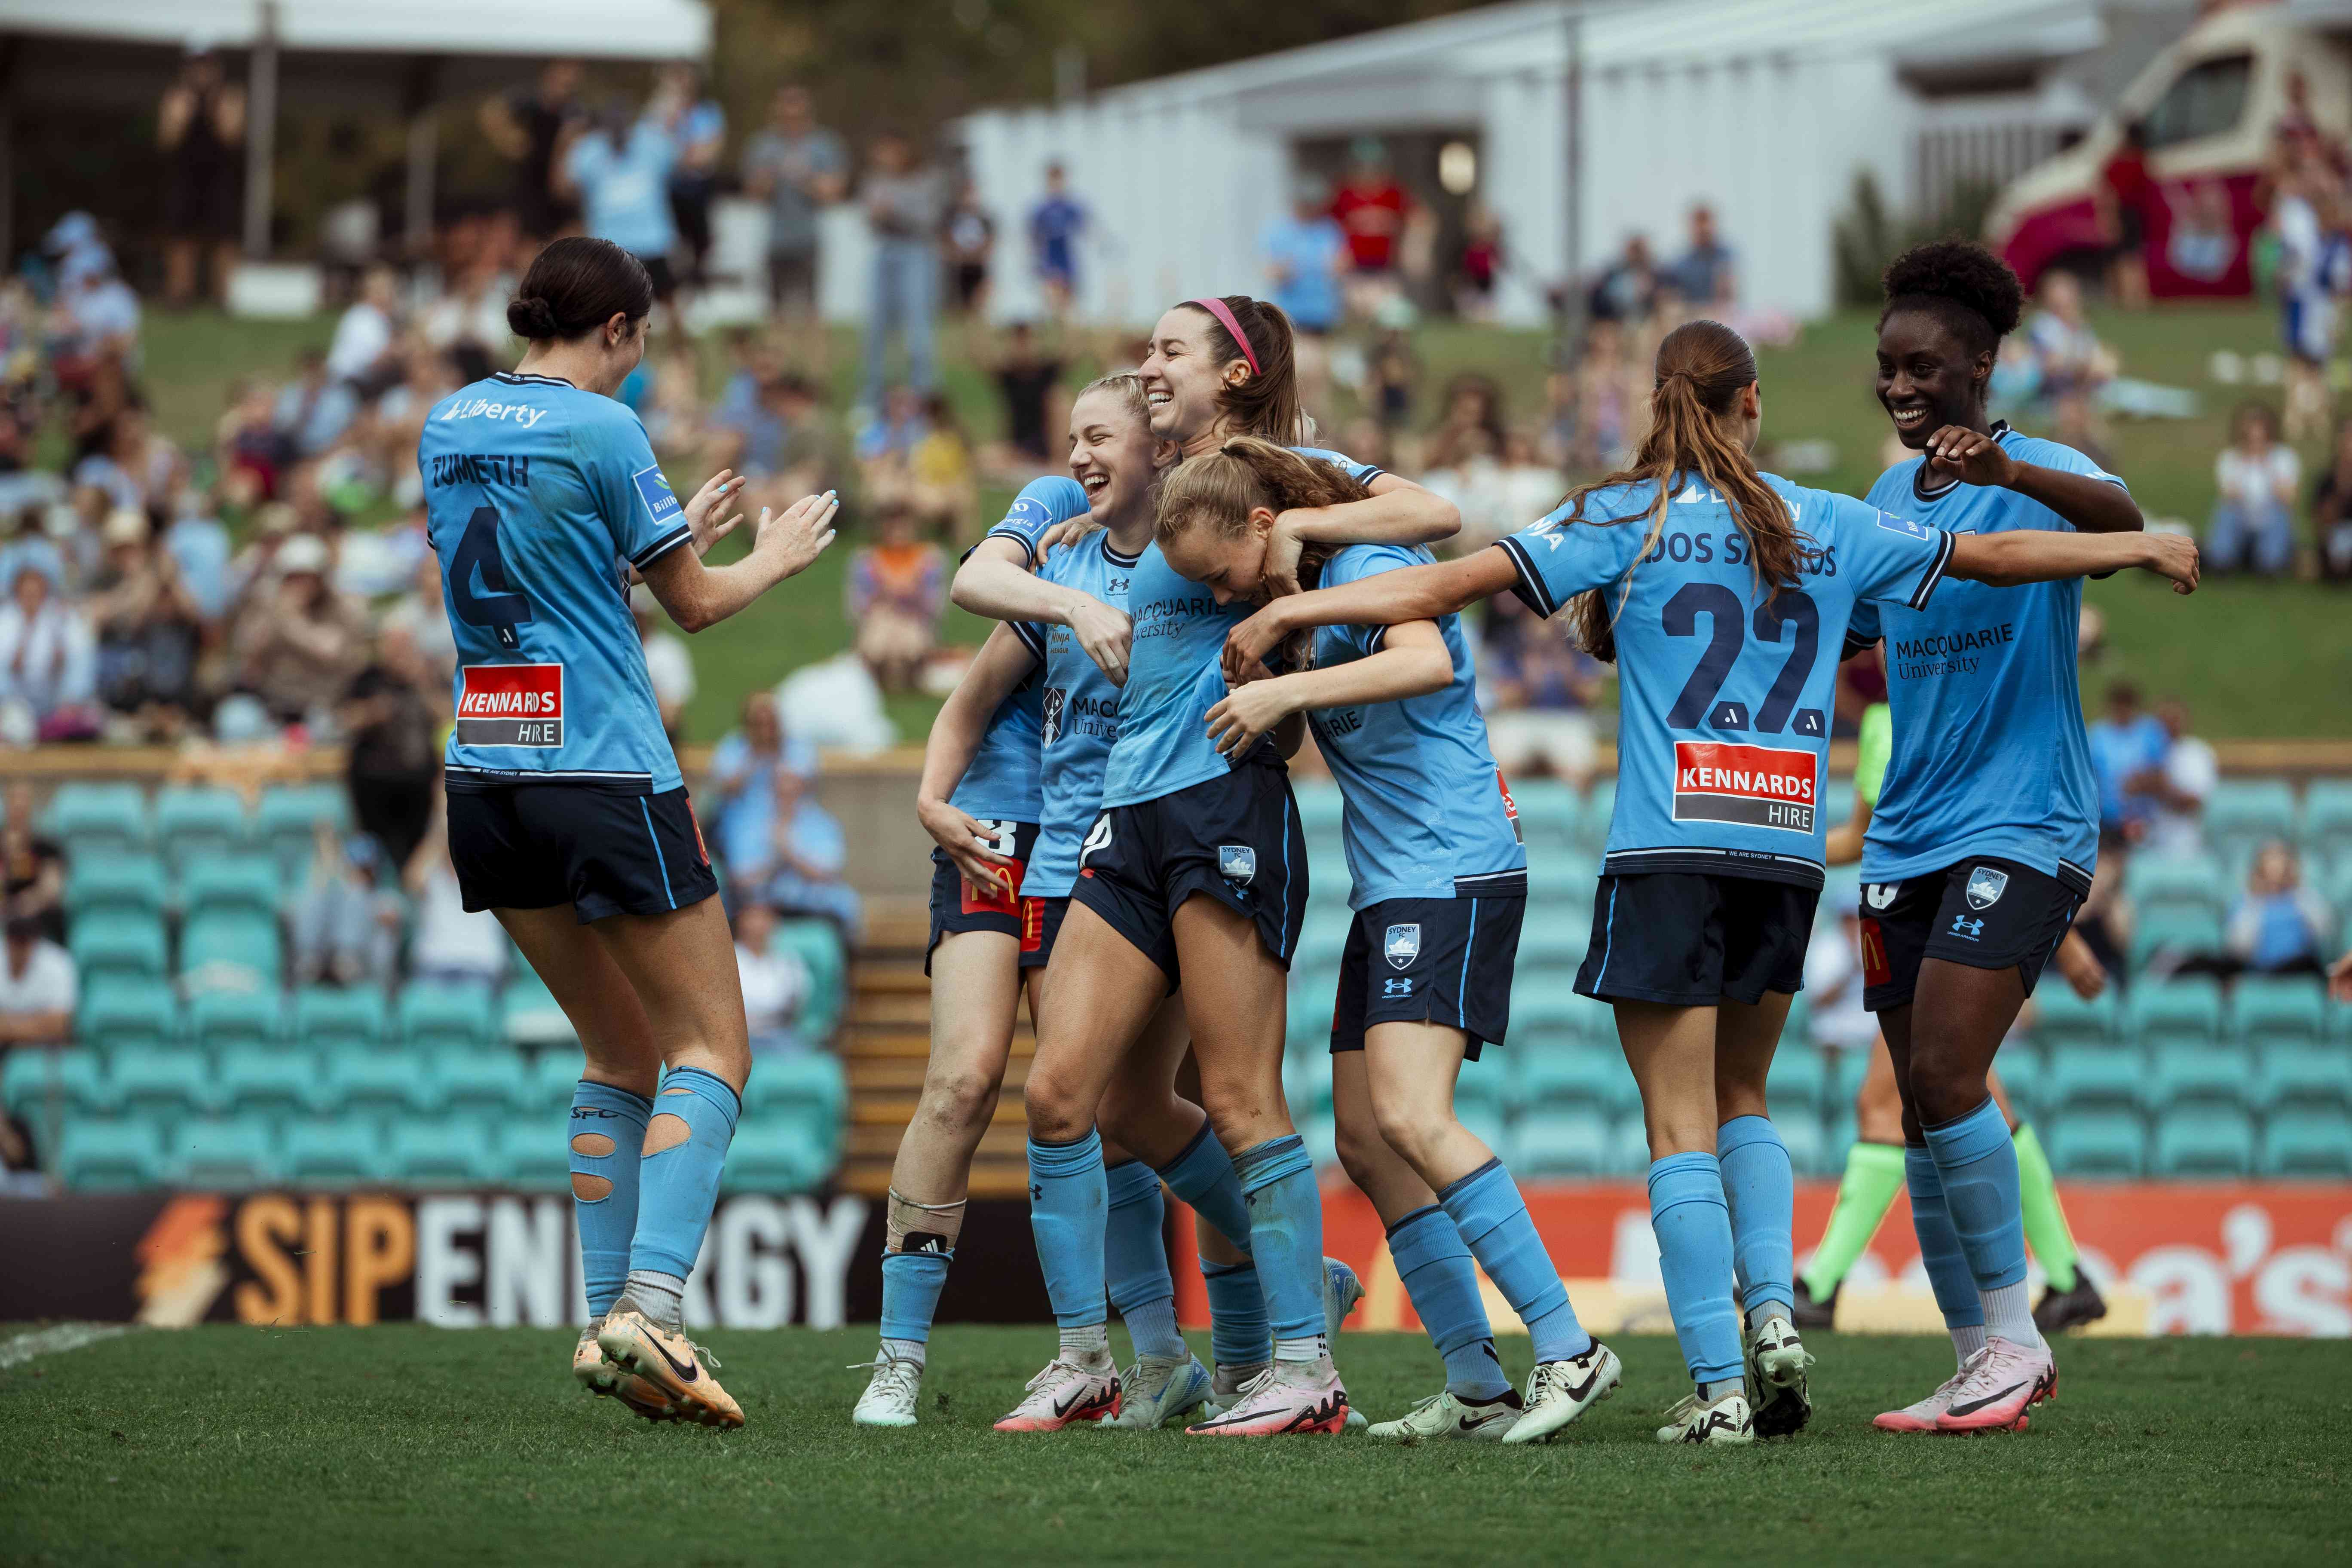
{"points": [[598, 1375], [1158, 1390], [1812, 1314], [1560, 1391], [1777, 1360], [1997, 1387], [2059, 1311], [678, 1368], [1724, 1424], [1065, 1394], [1341, 1291], [1287, 1396], [1226, 1383], [1446, 1416], [1920, 1416], [889, 1396]]}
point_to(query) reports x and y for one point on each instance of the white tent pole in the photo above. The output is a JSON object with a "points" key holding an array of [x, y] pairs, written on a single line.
{"points": [[424, 148], [260, 130], [1572, 292]]}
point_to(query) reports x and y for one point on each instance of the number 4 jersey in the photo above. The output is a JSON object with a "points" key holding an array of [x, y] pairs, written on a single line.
{"points": [[1724, 693], [537, 494]]}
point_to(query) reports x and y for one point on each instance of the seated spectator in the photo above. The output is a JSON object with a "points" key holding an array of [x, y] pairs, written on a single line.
{"points": [[1395, 371], [2278, 926], [807, 853], [667, 660], [2072, 365], [2331, 510], [198, 548], [2107, 920], [944, 489], [449, 945], [886, 447], [362, 353], [314, 410], [392, 759], [1707, 273], [2256, 478], [776, 984], [299, 642], [741, 784], [150, 630], [1539, 694], [1028, 376], [1627, 291], [32, 869], [39, 988], [2125, 744], [346, 931], [896, 587], [420, 623], [249, 450], [49, 664], [2176, 788]]}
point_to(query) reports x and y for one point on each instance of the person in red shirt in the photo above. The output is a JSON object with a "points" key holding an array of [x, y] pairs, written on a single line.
{"points": [[1370, 208], [2125, 190]]}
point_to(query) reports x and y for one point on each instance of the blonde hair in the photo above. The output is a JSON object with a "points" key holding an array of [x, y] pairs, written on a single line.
{"points": [[1218, 489]]}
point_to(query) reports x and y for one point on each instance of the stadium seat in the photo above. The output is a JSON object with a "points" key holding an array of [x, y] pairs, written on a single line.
{"points": [[2268, 1010], [2162, 1013], [2327, 818], [76, 1073], [2174, 933], [818, 943], [463, 1081], [344, 1151], [2024, 1074], [240, 884], [1592, 823], [1320, 808], [1322, 939], [1553, 943], [1483, 1086], [1486, 1123], [1629, 1147], [2086, 1079], [119, 947], [230, 952], [1562, 1141], [116, 1013], [327, 1018], [2304, 1076], [111, 1155], [99, 818], [775, 1156], [433, 1015], [376, 1081], [2307, 1144], [101, 884], [554, 1077], [193, 821], [533, 1154], [1574, 1078], [285, 824], [1796, 1081], [165, 1081], [2097, 1143], [2242, 813], [2205, 1142], [1549, 1000], [1800, 1130], [2183, 1075], [223, 1018], [235, 1152], [1550, 803], [1557, 885], [529, 1016], [807, 1084], [268, 1081], [2063, 1021], [1321, 1134], [443, 1152], [2161, 884]]}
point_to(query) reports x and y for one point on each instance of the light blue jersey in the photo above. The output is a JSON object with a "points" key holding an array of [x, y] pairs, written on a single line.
{"points": [[1428, 815], [1081, 718], [1990, 754], [1001, 785], [1725, 692], [1174, 677], [536, 494]]}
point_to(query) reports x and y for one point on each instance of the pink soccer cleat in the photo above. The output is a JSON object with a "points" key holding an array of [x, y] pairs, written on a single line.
{"points": [[1065, 1394], [1997, 1387], [1287, 1396], [1921, 1417]]}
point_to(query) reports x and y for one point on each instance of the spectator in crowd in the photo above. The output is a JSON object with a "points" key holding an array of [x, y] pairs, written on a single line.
{"points": [[896, 588], [419, 622], [48, 663], [39, 987], [449, 945], [1057, 223], [1834, 980], [1611, 401], [531, 127], [2071, 367], [150, 630], [2107, 920], [776, 983], [2278, 926], [2256, 478], [799, 168], [197, 546], [310, 414], [1028, 374], [620, 170], [1538, 695], [970, 235], [667, 661], [1473, 402], [698, 125], [2124, 194], [743, 792], [2176, 788], [904, 203], [346, 931], [32, 867], [200, 125], [1305, 252], [2126, 744], [1627, 290], [1371, 207], [391, 760], [299, 643], [367, 335], [1481, 261], [807, 852], [2315, 269], [1707, 273], [2331, 510]]}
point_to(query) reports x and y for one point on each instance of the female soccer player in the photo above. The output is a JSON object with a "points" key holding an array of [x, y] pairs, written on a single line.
{"points": [[1986, 831], [1440, 885], [1713, 860], [568, 818], [1195, 865]]}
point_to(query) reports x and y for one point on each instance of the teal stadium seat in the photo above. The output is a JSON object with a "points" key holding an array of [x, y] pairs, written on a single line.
{"points": [[266, 1081], [2174, 934], [2161, 884], [1592, 823], [1563, 1140], [1489, 1126], [1558, 885], [376, 1081], [1557, 943], [532, 1153], [1796, 1082], [2307, 1144], [775, 1156], [805, 1084], [1320, 808], [98, 819], [2206, 1142], [101, 884], [490, 1083], [1548, 815], [818, 943], [433, 1016], [2243, 814], [230, 952], [1800, 1130], [2271, 1010], [1571, 1078], [1548, 999], [2024, 1075], [2300, 1077], [443, 1152], [76, 1073], [234, 1154], [285, 824], [1321, 1134], [2063, 1021], [529, 1016], [554, 1078], [345, 1151], [2161, 1013], [2095, 1078], [2183, 1076], [192, 821], [220, 1019], [119, 947], [166, 1082], [116, 1013], [2327, 819], [1628, 1154], [243, 884], [112, 1155], [326, 1018], [1322, 939], [2097, 1143]]}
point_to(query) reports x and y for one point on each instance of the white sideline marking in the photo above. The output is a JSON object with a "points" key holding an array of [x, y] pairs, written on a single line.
{"points": [[54, 1341]]}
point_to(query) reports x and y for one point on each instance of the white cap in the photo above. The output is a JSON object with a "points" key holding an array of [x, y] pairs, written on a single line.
{"points": [[302, 553]]}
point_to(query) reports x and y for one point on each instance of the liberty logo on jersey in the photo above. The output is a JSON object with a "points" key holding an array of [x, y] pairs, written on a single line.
{"points": [[1402, 946], [1986, 886], [1757, 786], [510, 705]]}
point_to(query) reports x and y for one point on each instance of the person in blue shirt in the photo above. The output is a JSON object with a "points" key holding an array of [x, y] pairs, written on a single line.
{"points": [[1305, 254], [2128, 742], [1057, 223], [1440, 886], [567, 815], [621, 172], [1723, 595]]}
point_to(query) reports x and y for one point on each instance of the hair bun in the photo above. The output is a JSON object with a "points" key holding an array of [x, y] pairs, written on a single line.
{"points": [[531, 317]]}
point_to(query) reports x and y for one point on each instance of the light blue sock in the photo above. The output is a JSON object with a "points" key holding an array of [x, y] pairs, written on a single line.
{"points": [[1978, 1165], [1487, 1208], [678, 1187], [1202, 1176], [1239, 1334], [910, 1293], [1435, 1268], [1286, 1213], [1939, 1249], [1068, 1209], [1693, 1224], [607, 1225], [1135, 1259], [1762, 1188]]}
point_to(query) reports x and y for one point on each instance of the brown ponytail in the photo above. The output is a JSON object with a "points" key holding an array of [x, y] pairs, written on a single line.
{"points": [[1218, 489], [1702, 368], [1266, 403]]}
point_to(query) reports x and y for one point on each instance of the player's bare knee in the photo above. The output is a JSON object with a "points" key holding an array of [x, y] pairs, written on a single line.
{"points": [[1055, 1114], [959, 1101]]}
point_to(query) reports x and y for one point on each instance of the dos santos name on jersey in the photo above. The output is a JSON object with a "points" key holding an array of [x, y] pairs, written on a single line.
{"points": [[1760, 787], [510, 705]]}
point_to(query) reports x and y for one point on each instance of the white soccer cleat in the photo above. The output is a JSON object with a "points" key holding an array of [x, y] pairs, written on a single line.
{"points": [[1445, 1416], [1920, 1416], [1065, 1394], [1287, 1396], [889, 1397], [1560, 1391], [1997, 1387], [1725, 1423], [1777, 1360], [1158, 1390]]}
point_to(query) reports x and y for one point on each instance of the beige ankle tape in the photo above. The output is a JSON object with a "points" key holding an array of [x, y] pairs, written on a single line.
{"points": [[928, 1227]]}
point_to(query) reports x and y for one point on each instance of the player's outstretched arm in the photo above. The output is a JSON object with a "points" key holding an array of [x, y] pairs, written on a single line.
{"points": [[1397, 513], [1412, 659], [995, 581], [1385, 598], [2042, 555], [697, 596], [1002, 662]]}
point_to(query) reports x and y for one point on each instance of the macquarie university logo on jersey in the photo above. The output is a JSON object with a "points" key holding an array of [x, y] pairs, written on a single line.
{"points": [[1986, 886], [1756, 787], [1403, 945], [511, 705]]}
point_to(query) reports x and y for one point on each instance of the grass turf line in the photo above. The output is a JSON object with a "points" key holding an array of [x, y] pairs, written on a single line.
{"points": [[400, 1444]]}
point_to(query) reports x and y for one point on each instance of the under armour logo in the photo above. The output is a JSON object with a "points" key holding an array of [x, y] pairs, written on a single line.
{"points": [[1036, 1194], [1396, 988], [1963, 926]]}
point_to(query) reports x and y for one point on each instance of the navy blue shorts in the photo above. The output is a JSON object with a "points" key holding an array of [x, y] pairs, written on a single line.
{"points": [[1041, 924], [955, 908], [1437, 961], [1984, 914], [533, 846], [1689, 939], [1235, 838]]}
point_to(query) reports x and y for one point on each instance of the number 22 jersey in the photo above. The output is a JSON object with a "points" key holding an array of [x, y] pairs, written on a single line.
{"points": [[536, 495], [1724, 694]]}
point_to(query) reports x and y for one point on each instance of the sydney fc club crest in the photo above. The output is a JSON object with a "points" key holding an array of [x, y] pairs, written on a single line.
{"points": [[1402, 946], [1986, 886], [1237, 863]]}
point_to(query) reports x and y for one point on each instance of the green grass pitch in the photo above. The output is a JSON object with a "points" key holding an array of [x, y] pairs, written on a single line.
{"points": [[415, 1445]]}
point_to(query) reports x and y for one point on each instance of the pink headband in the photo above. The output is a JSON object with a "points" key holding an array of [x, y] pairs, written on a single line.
{"points": [[1225, 315]]}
